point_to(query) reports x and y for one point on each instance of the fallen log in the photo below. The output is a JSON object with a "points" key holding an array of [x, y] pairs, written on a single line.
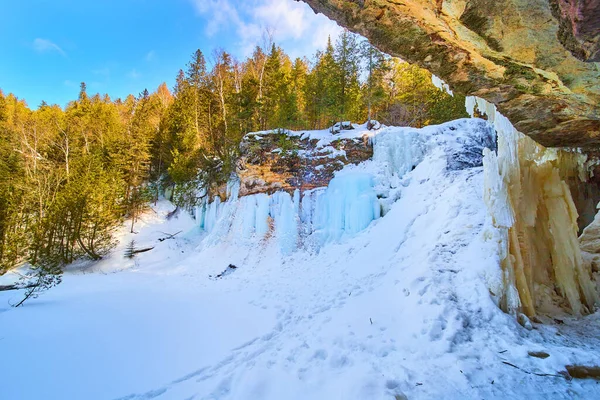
{"points": [[169, 236], [142, 250], [15, 287], [171, 214], [536, 373]]}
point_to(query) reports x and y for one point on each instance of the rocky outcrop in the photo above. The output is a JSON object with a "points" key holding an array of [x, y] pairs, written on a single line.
{"points": [[508, 52], [579, 27], [273, 161]]}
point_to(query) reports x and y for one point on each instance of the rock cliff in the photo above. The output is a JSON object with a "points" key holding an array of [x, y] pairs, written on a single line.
{"points": [[524, 56], [272, 160]]}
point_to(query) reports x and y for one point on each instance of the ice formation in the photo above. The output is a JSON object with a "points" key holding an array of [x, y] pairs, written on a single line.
{"points": [[532, 208], [347, 206], [590, 243], [355, 197], [526, 190], [440, 84]]}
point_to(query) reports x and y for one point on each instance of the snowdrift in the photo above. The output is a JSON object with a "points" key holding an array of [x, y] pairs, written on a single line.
{"points": [[375, 287]]}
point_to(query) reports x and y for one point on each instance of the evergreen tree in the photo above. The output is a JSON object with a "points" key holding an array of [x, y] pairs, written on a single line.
{"points": [[322, 89], [280, 97], [222, 84], [414, 101], [160, 142], [141, 131], [69, 176], [347, 58], [248, 100], [376, 67], [297, 84], [196, 90]]}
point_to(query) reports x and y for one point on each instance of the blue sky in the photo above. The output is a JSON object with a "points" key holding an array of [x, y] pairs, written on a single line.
{"points": [[123, 46]]}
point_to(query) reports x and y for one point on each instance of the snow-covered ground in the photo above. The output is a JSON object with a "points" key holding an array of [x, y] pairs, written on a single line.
{"points": [[398, 305]]}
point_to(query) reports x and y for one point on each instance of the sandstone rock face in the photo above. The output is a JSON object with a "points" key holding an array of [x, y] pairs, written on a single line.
{"points": [[579, 29], [508, 52], [273, 161]]}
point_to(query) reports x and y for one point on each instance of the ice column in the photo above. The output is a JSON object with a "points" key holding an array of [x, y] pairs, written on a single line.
{"points": [[532, 208]]}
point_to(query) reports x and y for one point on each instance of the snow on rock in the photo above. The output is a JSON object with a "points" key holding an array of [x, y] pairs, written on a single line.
{"points": [[341, 126], [283, 160], [440, 84], [357, 194]]}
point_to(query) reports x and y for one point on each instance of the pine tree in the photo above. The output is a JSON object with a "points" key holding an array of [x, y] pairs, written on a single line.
{"points": [[414, 101], [376, 67], [248, 100], [160, 142], [130, 250], [198, 89], [257, 64], [279, 100], [141, 131], [12, 232], [69, 176], [347, 57], [297, 84], [322, 88]]}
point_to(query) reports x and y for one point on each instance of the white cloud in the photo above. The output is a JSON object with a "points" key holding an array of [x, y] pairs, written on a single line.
{"points": [[323, 32], [133, 74], [104, 71], [221, 14], [150, 56], [288, 18], [46, 46], [293, 24]]}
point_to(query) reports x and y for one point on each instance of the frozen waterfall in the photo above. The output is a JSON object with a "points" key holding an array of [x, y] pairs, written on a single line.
{"points": [[354, 198]]}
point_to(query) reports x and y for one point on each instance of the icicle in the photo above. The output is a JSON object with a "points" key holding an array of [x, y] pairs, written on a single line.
{"points": [[496, 195], [286, 224], [400, 153], [440, 84], [347, 206], [532, 207]]}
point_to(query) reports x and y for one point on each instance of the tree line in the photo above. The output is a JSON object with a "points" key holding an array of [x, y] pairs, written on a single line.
{"points": [[69, 176]]}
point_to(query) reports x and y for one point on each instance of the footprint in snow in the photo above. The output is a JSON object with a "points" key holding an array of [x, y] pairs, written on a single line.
{"points": [[320, 354]]}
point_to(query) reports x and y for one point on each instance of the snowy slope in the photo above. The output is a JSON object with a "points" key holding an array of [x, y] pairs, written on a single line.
{"points": [[401, 307]]}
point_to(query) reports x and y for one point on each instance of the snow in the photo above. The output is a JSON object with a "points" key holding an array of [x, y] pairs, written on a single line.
{"points": [[440, 84], [355, 197], [374, 287], [324, 137]]}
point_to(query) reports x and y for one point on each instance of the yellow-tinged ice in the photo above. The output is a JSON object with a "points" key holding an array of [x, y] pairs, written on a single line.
{"points": [[590, 244], [533, 210]]}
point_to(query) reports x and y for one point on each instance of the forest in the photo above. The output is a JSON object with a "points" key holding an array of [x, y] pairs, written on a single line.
{"points": [[70, 176]]}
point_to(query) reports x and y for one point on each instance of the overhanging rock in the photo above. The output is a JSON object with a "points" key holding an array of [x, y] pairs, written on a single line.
{"points": [[516, 54]]}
